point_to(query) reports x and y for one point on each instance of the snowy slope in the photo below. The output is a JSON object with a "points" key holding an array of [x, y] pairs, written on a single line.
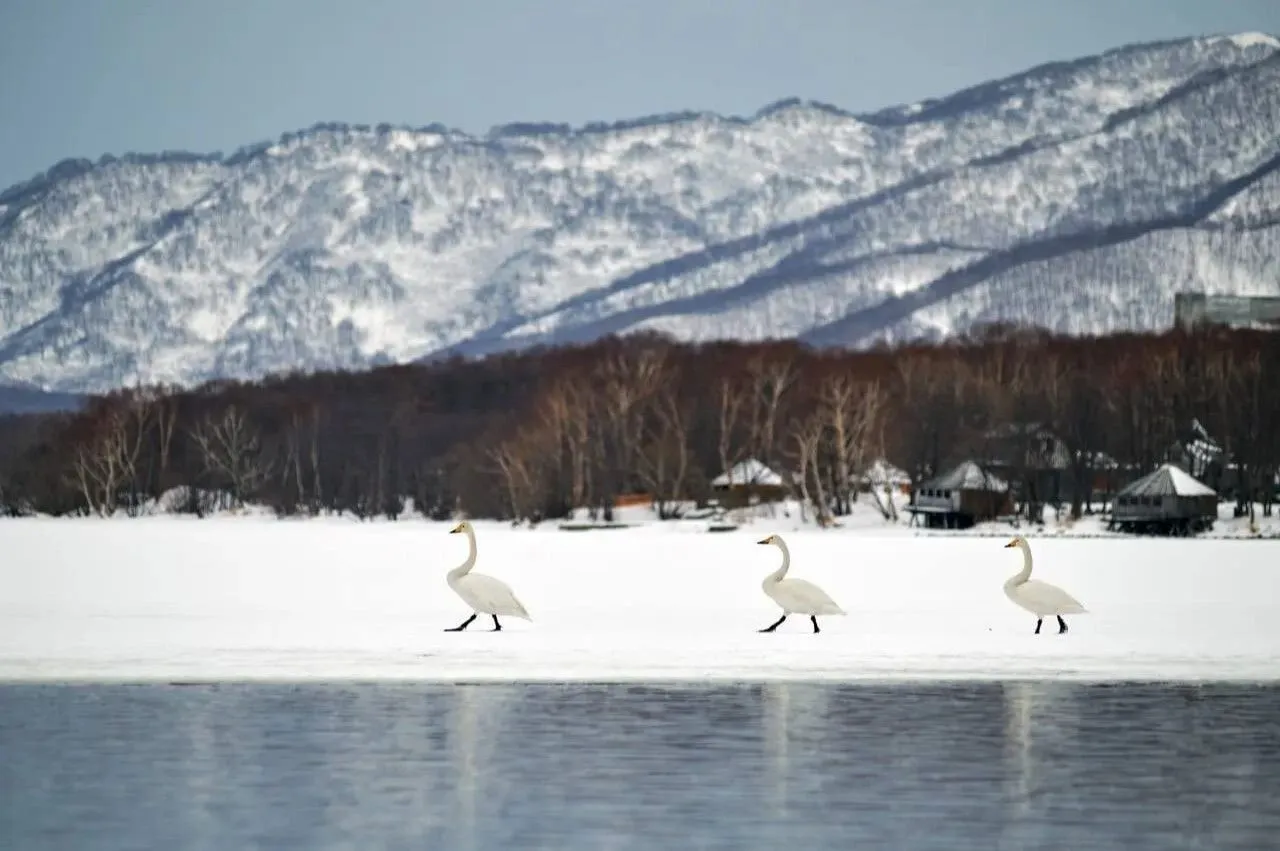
{"points": [[1078, 195]]}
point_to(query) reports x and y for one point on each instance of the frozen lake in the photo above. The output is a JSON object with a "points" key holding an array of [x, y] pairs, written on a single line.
{"points": [[1010, 765], [164, 598]]}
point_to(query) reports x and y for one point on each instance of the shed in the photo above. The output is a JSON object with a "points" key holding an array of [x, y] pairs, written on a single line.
{"points": [[749, 481], [964, 495], [1168, 500]]}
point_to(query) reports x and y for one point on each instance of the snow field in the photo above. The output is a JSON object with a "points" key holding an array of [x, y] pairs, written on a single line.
{"points": [[177, 599]]}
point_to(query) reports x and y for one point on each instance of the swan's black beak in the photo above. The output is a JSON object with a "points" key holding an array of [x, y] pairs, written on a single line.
{"points": [[455, 530], [1011, 544], [765, 541]]}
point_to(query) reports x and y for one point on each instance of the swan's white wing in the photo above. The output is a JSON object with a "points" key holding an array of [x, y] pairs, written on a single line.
{"points": [[1045, 599], [804, 598], [490, 596]]}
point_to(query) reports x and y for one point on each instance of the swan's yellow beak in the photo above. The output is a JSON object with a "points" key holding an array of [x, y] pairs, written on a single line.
{"points": [[1012, 543], [768, 540], [456, 529]]}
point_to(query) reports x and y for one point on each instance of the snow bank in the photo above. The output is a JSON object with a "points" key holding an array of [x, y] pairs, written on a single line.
{"points": [[185, 599]]}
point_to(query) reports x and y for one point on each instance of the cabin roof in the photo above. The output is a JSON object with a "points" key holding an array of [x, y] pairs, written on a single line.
{"points": [[749, 472], [967, 475], [1167, 480]]}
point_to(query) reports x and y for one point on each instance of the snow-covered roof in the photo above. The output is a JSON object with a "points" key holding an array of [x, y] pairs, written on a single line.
{"points": [[882, 472], [748, 472], [1167, 480], [967, 475]]}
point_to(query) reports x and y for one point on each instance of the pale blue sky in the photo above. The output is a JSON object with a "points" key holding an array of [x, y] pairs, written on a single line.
{"points": [[87, 77]]}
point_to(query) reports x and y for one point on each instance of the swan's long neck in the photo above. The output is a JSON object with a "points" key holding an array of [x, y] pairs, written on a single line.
{"points": [[777, 575], [1024, 574], [465, 568]]}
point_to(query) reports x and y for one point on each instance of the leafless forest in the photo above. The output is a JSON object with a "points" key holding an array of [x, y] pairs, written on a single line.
{"points": [[532, 435]]}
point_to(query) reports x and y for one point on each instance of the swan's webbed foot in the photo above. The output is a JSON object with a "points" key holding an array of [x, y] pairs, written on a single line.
{"points": [[460, 627], [775, 624], [814, 618], [1039, 622], [1062, 625], [497, 627]]}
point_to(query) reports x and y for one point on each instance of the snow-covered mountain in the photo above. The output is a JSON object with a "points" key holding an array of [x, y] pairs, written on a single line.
{"points": [[1078, 195]]}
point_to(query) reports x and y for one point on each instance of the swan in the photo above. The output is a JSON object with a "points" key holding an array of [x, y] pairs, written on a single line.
{"points": [[795, 596], [482, 593], [1039, 598]]}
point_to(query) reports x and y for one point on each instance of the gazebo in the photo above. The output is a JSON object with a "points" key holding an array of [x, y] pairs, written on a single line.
{"points": [[1168, 501]]}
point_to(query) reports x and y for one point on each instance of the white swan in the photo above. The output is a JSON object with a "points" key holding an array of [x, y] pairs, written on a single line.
{"points": [[1039, 598], [795, 596], [482, 593]]}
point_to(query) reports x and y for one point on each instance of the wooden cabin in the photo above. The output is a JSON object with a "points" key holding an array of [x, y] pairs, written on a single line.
{"points": [[748, 483], [957, 499]]}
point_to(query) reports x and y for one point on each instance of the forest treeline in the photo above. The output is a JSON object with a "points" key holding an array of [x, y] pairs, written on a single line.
{"points": [[534, 434]]}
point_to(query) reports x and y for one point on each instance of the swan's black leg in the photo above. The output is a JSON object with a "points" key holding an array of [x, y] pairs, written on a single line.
{"points": [[1062, 625], [775, 624], [1038, 622], [814, 618], [497, 627], [460, 627]]}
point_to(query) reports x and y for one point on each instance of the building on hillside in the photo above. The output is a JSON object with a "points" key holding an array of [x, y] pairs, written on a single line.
{"points": [[1167, 501], [882, 474], [1197, 309], [749, 482], [960, 497]]}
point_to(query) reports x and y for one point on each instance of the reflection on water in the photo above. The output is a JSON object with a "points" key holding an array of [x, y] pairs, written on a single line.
{"points": [[1015, 765]]}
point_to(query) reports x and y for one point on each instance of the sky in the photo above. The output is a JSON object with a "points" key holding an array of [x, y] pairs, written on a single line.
{"points": [[80, 78]]}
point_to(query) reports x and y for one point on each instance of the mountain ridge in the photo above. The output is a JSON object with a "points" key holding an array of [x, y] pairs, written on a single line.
{"points": [[346, 246]]}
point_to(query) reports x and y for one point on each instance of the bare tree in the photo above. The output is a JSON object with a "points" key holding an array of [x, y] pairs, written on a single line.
{"points": [[770, 381], [300, 451], [515, 463], [566, 413], [105, 462], [317, 491], [155, 412], [664, 458], [929, 427], [807, 442], [731, 399], [628, 381], [850, 411], [1238, 393], [231, 449]]}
